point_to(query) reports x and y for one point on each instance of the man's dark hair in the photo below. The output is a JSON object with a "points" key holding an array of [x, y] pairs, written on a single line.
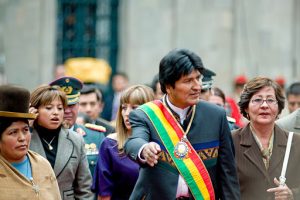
{"points": [[293, 89], [177, 63], [88, 89]]}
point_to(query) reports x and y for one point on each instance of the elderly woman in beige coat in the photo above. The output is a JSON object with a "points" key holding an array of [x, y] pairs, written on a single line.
{"points": [[24, 174], [260, 146]]}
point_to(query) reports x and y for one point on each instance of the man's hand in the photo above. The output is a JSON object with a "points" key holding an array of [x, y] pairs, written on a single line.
{"points": [[282, 192], [150, 153]]}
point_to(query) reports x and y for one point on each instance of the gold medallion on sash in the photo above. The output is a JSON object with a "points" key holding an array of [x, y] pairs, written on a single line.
{"points": [[181, 149]]}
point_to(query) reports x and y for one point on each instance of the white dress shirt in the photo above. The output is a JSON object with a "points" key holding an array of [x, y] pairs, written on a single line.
{"points": [[182, 188]]}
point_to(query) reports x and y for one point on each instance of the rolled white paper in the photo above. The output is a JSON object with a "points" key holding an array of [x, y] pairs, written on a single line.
{"points": [[286, 159]]}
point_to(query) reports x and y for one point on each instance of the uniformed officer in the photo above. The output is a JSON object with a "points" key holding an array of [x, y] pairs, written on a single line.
{"points": [[92, 136], [207, 82], [207, 93]]}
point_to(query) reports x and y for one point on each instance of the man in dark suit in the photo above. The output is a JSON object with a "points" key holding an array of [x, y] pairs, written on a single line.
{"points": [[183, 145], [112, 100]]}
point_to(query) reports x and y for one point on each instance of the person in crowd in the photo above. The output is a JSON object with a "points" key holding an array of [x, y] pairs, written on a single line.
{"points": [[71, 87], [218, 97], [280, 80], [291, 122], [111, 101], [116, 173], [260, 146], [233, 111], [292, 99], [183, 144], [90, 103], [207, 94], [293, 96], [207, 82], [231, 101], [83, 119], [60, 71], [238, 85], [155, 85], [91, 133], [24, 174], [63, 148]]}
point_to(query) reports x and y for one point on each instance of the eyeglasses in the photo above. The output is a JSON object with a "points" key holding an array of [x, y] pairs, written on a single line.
{"points": [[260, 101]]}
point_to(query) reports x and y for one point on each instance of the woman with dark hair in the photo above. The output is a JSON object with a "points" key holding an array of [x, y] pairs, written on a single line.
{"points": [[218, 97], [115, 173], [260, 146], [24, 174], [63, 148]]}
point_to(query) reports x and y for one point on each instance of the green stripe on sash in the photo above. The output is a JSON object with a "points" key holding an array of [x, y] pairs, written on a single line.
{"points": [[191, 168]]}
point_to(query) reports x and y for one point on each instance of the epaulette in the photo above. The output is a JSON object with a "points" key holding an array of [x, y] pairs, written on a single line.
{"points": [[230, 119], [95, 127]]}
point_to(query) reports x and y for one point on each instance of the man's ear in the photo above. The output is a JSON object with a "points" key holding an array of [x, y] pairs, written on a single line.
{"points": [[101, 106], [168, 89]]}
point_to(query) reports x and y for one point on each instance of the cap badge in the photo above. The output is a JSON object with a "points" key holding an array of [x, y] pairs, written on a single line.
{"points": [[67, 89]]}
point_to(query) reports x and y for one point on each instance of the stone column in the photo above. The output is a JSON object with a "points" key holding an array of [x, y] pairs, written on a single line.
{"points": [[29, 41]]}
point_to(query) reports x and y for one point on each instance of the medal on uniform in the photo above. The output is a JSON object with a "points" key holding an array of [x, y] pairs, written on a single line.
{"points": [[181, 149]]}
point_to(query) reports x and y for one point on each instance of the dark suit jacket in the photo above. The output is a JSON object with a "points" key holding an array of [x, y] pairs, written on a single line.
{"points": [[71, 166], [108, 103], [253, 177], [211, 138]]}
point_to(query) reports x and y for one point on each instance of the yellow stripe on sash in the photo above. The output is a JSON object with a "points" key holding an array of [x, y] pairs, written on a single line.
{"points": [[188, 163]]}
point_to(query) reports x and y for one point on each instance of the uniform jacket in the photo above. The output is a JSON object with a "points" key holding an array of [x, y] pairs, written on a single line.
{"points": [[92, 140], [13, 185], [290, 122], [104, 123], [71, 166], [253, 177], [210, 136]]}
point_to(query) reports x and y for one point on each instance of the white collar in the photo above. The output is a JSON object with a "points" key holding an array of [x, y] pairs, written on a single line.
{"points": [[181, 112]]}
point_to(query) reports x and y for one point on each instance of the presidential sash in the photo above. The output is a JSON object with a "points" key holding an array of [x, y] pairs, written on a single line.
{"points": [[189, 165]]}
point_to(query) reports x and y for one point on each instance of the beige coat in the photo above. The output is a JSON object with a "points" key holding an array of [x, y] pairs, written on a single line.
{"points": [[253, 177], [13, 185]]}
